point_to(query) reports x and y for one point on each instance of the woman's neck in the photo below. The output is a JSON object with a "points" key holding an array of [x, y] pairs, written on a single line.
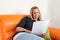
{"points": [[35, 19]]}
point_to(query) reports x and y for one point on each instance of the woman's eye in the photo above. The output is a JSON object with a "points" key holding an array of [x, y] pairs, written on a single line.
{"points": [[37, 12], [34, 13]]}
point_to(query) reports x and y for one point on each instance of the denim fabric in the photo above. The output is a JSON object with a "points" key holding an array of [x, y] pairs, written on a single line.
{"points": [[27, 36]]}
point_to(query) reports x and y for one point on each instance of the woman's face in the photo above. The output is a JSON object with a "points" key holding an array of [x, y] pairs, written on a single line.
{"points": [[35, 13]]}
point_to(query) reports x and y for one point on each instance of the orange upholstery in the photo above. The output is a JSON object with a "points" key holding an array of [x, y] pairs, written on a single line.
{"points": [[7, 25], [55, 33], [1, 38]]}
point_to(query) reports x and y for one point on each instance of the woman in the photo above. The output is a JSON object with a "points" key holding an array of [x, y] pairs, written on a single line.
{"points": [[27, 22], [26, 25]]}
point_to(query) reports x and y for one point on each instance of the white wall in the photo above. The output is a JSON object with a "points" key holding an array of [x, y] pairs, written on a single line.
{"points": [[55, 13], [50, 9], [23, 7]]}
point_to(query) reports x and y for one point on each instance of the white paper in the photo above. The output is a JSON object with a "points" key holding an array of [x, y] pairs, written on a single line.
{"points": [[40, 27]]}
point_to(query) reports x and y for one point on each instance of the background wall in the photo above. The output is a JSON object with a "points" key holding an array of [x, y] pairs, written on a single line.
{"points": [[55, 13], [50, 9], [23, 7]]}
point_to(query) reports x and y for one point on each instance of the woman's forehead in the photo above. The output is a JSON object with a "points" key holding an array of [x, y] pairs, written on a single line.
{"points": [[35, 10]]}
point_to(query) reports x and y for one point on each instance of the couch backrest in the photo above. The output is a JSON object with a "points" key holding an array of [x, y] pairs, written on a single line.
{"points": [[55, 33], [1, 30], [8, 24]]}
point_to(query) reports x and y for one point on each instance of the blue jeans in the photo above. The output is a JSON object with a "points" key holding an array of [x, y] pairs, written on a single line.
{"points": [[26, 36]]}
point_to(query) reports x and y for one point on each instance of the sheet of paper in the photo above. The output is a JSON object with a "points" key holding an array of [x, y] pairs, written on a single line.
{"points": [[40, 27]]}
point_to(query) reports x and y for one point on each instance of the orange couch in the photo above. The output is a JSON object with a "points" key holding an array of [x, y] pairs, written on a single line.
{"points": [[8, 25]]}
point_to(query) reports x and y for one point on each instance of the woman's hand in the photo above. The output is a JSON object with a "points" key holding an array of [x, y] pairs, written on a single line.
{"points": [[42, 35]]}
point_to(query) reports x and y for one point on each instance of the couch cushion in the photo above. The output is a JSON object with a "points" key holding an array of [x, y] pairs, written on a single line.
{"points": [[48, 37], [9, 23], [1, 36], [55, 33]]}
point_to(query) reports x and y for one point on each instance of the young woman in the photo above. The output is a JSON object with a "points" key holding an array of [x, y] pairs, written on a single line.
{"points": [[27, 22], [25, 26]]}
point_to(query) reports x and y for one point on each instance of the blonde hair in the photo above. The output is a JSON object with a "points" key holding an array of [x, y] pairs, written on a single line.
{"points": [[31, 11]]}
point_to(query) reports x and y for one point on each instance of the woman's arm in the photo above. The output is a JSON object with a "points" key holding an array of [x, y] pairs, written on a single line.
{"points": [[22, 29]]}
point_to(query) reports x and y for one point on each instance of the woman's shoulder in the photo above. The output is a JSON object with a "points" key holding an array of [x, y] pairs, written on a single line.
{"points": [[27, 17]]}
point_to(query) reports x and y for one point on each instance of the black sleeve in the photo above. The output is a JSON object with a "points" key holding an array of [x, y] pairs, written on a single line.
{"points": [[22, 23]]}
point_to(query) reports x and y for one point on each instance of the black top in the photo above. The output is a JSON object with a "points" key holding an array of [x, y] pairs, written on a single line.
{"points": [[26, 23]]}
